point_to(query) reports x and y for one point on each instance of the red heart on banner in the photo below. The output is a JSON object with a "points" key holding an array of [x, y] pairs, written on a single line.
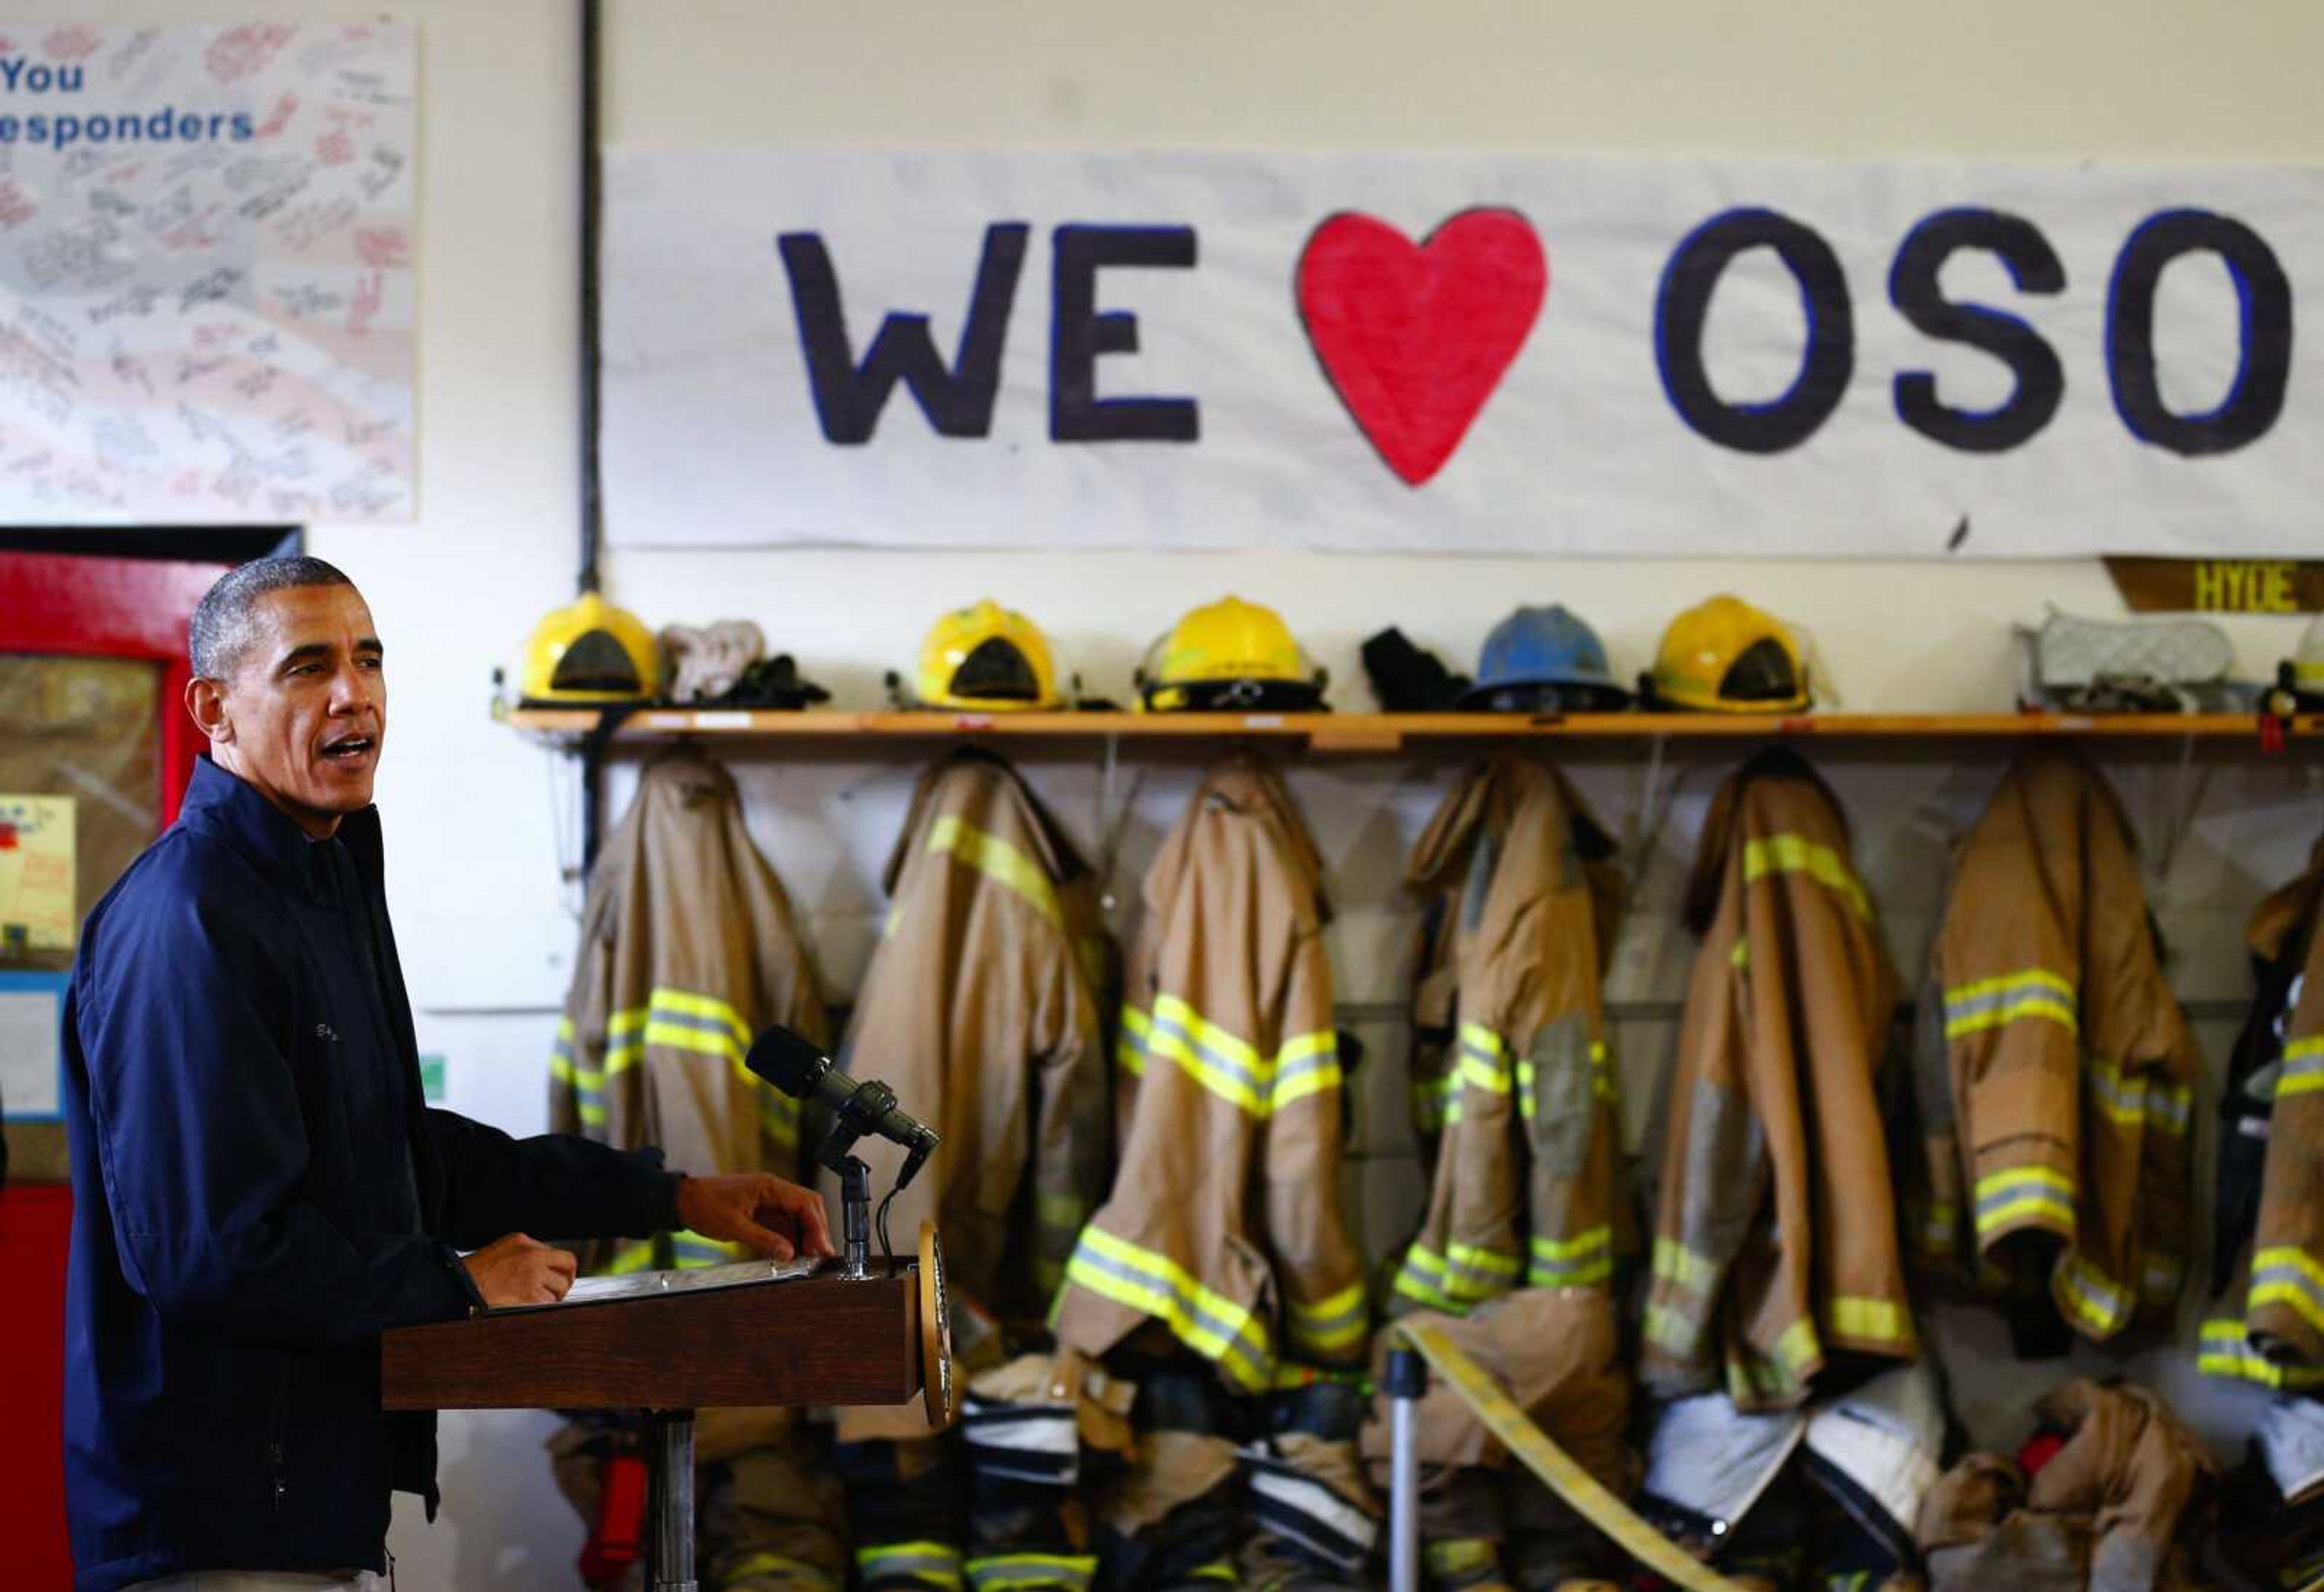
{"points": [[1415, 338]]}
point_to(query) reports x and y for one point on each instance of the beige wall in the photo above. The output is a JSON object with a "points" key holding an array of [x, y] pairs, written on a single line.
{"points": [[476, 815]]}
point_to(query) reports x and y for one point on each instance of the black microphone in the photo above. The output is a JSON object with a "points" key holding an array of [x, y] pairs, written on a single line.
{"points": [[798, 1070]]}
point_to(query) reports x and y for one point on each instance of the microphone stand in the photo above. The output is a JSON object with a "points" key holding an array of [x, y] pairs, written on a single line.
{"points": [[855, 1219], [862, 1114]]}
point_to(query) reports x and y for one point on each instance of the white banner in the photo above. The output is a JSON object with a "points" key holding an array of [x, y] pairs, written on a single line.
{"points": [[1495, 353], [207, 285]]}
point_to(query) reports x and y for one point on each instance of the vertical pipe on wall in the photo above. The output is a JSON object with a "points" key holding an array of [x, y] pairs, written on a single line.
{"points": [[591, 205], [592, 757]]}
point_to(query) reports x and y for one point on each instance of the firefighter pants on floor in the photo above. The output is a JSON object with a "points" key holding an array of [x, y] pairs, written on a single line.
{"points": [[994, 1505], [1265, 1494]]}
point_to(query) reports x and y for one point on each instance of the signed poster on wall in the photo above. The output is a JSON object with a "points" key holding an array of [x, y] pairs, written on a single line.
{"points": [[207, 283], [1491, 353]]}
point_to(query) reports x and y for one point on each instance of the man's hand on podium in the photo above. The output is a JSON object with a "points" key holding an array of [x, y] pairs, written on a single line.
{"points": [[515, 1270], [778, 1219]]}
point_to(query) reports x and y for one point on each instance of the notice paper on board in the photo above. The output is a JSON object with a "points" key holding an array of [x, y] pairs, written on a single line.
{"points": [[207, 283], [36, 874], [30, 1070]]}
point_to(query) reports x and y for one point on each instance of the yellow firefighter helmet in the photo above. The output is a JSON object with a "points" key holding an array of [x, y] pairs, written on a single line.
{"points": [[1726, 656], [987, 659], [590, 652], [1229, 654]]}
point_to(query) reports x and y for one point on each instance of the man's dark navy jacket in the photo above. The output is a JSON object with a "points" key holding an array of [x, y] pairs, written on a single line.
{"points": [[259, 1192]]}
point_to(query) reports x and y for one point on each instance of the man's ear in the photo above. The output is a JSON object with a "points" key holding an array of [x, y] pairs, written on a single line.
{"points": [[206, 703]]}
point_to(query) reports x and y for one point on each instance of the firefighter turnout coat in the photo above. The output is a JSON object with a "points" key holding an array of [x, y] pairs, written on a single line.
{"points": [[1526, 1189], [2275, 1241], [1224, 1223], [980, 1011], [1776, 1233], [688, 949], [2061, 1068]]}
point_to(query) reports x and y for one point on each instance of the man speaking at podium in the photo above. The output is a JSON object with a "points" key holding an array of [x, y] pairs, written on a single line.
{"points": [[259, 1191]]}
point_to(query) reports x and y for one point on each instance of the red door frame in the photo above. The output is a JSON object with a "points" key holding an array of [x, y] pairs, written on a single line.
{"points": [[71, 605], [103, 607]]}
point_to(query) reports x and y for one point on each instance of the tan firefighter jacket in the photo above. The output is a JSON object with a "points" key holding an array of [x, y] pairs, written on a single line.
{"points": [[979, 1008], [688, 949], [2065, 1068], [2117, 1509], [1525, 1189], [2279, 1339], [1776, 1229], [1225, 1222]]}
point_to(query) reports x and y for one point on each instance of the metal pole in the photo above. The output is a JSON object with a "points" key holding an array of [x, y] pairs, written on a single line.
{"points": [[669, 1449], [855, 1219], [592, 513], [1406, 1380]]}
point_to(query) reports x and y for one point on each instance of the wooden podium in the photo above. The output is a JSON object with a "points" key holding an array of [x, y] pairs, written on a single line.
{"points": [[669, 1343]]}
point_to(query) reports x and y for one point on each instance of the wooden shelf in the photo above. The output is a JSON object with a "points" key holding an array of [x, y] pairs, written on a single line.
{"points": [[1390, 732]]}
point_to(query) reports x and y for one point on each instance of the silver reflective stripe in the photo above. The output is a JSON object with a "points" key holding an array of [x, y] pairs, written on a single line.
{"points": [[1099, 1260], [1045, 1432], [1315, 1062], [1170, 1028], [1310, 1499], [2029, 995]]}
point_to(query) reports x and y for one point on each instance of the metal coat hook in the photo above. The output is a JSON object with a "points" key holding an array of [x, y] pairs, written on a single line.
{"points": [[1112, 816]]}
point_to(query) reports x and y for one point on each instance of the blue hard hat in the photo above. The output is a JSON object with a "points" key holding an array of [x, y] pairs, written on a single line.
{"points": [[1542, 647]]}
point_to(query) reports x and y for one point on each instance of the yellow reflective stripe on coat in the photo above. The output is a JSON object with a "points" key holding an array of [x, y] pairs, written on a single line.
{"points": [[1129, 1045], [2022, 1194], [705, 1025], [2135, 1102], [2091, 1295], [1671, 1328], [779, 1569], [997, 860], [1577, 1262], [1601, 1072], [939, 1563], [2226, 1351], [587, 1083], [1581, 1491], [1231, 1068], [2287, 1274], [691, 1251], [1798, 1347], [1422, 1277], [1796, 854], [1207, 1053], [1307, 1064], [2003, 999], [994, 1571], [2302, 1067], [1876, 1321], [1484, 1059], [1473, 1274], [1452, 1556], [1154, 1284], [1674, 1263], [1339, 1321]]}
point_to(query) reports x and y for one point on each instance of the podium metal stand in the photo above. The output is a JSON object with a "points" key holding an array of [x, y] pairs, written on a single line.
{"points": [[670, 1343]]}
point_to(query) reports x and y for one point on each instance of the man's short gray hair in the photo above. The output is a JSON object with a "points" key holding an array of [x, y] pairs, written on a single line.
{"points": [[222, 627]]}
